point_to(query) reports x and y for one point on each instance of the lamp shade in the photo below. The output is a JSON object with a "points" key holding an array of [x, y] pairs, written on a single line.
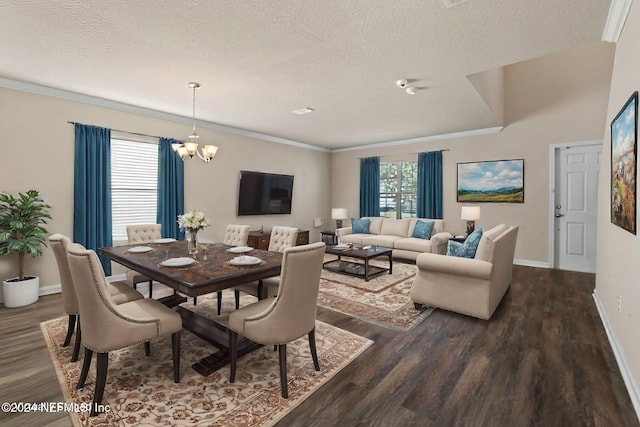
{"points": [[470, 213], [339, 213]]}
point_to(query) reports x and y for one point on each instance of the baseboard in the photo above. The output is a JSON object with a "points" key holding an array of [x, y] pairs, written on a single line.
{"points": [[529, 263], [632, 388]]}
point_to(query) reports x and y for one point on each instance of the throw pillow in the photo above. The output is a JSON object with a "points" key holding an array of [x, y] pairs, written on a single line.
{"points": [[466, 249], [360, 226], [422, 229]]}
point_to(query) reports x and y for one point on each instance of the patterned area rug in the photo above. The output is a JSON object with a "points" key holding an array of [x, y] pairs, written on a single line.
{"points": [[140, 390], [383, 300]]}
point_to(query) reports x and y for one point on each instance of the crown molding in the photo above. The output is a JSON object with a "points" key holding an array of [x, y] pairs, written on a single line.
{"points": [[618, 12]]}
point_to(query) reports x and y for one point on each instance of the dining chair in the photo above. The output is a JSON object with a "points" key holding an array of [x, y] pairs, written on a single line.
{"points": [[288, 316], [281, 239], [138, 234], [109, 326], [120, 291]]}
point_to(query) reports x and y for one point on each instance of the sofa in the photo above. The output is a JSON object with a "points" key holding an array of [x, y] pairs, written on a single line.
{"points": [[397, 234], [471, 286]]}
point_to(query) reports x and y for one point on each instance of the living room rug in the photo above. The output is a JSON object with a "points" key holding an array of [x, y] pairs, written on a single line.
{"points": [[140, 390], [383, 300]]}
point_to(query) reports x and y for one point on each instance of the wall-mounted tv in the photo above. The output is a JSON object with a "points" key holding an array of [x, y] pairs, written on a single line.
{"points": [[262, 193]]}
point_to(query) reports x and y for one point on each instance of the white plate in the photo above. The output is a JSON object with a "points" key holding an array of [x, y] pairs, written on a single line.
{"points": [[178, 262], [140, 249], [240, 249], [165, 240], [245, 260]]}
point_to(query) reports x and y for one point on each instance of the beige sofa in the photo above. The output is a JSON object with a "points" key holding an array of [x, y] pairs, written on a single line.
{"points": [[469, 286], [396, 234]]}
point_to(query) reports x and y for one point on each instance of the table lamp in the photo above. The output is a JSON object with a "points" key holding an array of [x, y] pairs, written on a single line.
{"points": [[339, 214], [470, 214]]}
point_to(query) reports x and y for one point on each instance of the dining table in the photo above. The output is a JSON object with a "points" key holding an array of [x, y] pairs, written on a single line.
{"points": [[214, 268]]}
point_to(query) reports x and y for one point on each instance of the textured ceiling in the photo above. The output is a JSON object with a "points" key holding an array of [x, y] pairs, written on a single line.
{"points": [[259, 60]]}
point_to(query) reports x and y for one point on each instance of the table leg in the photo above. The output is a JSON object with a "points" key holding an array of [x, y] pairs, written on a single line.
{"points": [[366, 269], [390, 264]]}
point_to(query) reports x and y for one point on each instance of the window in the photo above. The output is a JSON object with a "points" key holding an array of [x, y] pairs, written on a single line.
{"points": [[134, 184], [398, 189]]}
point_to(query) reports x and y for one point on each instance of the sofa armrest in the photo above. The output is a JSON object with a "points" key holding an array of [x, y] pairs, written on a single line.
{"points": [[454, 265], [343, 231], [440, 242]]}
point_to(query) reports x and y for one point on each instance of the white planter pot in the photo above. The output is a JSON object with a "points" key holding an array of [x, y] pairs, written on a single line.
{"points": [[16, 293]]}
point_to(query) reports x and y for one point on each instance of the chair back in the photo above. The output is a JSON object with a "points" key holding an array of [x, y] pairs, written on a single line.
{"points": [[282, 238], [236, 235], [143, 233], [59, 244], [293, 311]]}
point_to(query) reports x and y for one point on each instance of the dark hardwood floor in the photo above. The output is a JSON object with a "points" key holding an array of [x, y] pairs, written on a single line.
{"points": [[542, 360]]}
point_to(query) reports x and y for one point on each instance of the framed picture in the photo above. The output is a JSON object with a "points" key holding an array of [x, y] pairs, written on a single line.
{"points": [[491, 181], [624, 146]]}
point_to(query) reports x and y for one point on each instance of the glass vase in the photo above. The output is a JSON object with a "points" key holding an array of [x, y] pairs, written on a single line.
{"points": [[193, 242]]}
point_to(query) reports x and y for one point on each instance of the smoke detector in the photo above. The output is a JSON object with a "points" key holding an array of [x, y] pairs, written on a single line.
{"points": [[451, 3]]}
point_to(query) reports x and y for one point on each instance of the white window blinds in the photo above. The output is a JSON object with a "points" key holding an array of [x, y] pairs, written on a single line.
{"points": [[134, 185]]}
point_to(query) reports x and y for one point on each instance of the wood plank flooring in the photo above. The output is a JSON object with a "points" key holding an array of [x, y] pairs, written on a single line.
{"points": [[542, 360]]}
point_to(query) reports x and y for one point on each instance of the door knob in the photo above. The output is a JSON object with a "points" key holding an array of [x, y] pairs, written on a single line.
{"points": [[558, 215]]}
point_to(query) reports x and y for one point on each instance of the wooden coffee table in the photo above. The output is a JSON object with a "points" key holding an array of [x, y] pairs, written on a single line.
{"points": [[353, 268]]}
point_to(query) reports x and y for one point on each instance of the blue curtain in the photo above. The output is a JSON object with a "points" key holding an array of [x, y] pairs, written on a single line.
{"points": [[429, 197], [170, 189], [370, 186], [92, 189]]}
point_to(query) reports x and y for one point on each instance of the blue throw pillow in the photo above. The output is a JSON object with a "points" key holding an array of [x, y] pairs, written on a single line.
{"points": [[423, 229], [466, 249], [360, 226]]}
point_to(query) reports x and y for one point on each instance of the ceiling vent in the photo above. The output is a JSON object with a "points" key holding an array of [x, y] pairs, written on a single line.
{"points": [[451, 3]]}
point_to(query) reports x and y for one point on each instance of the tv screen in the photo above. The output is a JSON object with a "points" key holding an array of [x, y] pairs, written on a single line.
{"points": [[264, 193]]}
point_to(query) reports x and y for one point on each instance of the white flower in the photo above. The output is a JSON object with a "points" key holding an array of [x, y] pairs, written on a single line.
{"points": [[193, 221]]}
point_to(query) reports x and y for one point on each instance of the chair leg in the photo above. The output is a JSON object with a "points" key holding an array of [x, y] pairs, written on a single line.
{"points": [[88, 354], [312, 347], [70, 328], [233, 354], [150, 288], [261, 289], [237, 292], [76, 344], [101, 380], [219, 302], [282, 353], [175, 351], [147, 348]]}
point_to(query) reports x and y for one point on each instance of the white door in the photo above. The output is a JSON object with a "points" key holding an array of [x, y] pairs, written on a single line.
{"points": [[576, 197]]}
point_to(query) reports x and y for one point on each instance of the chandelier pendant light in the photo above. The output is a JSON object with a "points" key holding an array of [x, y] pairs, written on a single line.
{"points": [[189, 148]]}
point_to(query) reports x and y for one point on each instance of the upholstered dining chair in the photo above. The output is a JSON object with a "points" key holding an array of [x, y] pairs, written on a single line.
{"points": [[138, 234], [281, 238], [120, 291], [111, 327], [288, 316]]}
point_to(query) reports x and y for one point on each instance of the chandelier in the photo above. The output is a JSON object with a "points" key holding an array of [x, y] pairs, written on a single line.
{"points": [[188, 149]]}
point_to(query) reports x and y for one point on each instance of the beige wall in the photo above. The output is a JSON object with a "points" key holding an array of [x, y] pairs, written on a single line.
{"points": [[619, 250], [560, 98], [36, 151]]}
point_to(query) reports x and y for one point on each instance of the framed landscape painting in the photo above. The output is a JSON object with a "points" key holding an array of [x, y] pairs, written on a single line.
{"points": [[624, 136], [491, 181]]}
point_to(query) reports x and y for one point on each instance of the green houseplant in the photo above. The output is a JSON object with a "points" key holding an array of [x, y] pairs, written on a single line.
{"points": [[22, 232]]}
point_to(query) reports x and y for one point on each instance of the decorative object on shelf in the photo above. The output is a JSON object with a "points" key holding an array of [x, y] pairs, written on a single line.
{"points": [[193, 222], [188, 149], [624, 149], [22, 233], [491, 181], [339, 214], [470, 214]]}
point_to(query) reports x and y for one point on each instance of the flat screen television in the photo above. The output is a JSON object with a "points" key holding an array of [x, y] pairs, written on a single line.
{"points": [[262, 193]]}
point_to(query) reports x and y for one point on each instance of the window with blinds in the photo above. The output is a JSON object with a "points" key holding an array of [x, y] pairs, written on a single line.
{"points": [[134, 185]]}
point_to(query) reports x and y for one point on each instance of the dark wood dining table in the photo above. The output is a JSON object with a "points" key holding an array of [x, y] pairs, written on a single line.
{"points": [[211, 271]]}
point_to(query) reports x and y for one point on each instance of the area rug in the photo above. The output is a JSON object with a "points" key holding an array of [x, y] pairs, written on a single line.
{"points": [[383, 300], [140, 390]]}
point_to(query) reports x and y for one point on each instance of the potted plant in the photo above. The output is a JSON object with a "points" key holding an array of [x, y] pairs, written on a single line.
{"points": [[22, 233]]}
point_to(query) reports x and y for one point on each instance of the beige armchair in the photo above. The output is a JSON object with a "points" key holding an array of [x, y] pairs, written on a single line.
{"points": [[120, 291], [138, 234], [281, 239], [109, 326], [473, 287], [288, 316]]}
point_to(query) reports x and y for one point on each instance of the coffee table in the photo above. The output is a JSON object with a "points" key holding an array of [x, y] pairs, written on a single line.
{"points": [[353, 268]]}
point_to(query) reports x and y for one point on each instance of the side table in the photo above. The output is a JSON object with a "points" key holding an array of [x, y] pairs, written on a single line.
{"points": [[329, 237]]}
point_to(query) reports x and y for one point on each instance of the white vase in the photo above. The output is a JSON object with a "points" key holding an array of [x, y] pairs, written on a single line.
{"points": [[17, 293]]}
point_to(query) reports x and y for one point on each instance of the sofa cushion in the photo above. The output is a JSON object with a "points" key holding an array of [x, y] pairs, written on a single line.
{"points": [[375, 227], [487, 242], [423, 229], [380, 240], [395, 227], [360, 226], [466, 249], [414, 244], [356, 239]]}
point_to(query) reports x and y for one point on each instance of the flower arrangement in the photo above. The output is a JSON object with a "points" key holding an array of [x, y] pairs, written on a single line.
{"points": [[193, 221]]}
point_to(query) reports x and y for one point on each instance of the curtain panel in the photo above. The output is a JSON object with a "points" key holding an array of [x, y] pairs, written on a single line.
{"points": [[370, 186], [92, 189], [170, 189], [429, 197]]}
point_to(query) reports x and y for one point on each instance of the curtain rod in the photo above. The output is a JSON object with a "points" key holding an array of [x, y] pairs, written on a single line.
{"points": [[125, 131], [401, 154]]}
